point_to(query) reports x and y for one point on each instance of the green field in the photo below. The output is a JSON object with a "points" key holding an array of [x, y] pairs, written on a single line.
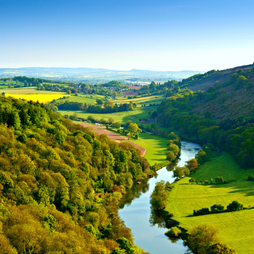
{"points": [[89, 99], [142, 100], [134, 115], [156, 148], [235, 228]]}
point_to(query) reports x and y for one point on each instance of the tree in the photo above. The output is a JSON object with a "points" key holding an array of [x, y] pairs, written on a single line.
{"points": [[111, 120], [208, 115], [133, 129], [220, 248], [202, 237], [234, 206], [192, 164], [159, 196], [99, 101], [180, 172], [217, 208]]}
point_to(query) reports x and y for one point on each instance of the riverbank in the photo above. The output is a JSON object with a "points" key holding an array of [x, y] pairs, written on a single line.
{"points": [[186, 197], [136, 210]]}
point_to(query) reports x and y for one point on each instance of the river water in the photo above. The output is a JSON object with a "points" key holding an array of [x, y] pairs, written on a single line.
{"points": [[136, 210]]}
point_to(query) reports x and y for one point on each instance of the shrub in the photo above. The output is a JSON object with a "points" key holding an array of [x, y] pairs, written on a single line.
{"points": [[201, 211], [173, 232], [234, 206], [250, 178], [217, 208]]}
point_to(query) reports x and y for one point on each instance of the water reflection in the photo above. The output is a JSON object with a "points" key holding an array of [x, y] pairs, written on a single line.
{"points": [[138, 216]]}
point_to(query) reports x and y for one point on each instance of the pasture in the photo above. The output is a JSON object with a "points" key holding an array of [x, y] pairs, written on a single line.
{"points": [[156, 148], [235, 228], [134, 115]]}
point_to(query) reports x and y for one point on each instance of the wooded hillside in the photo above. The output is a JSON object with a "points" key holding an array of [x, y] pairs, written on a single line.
{"points": [[222, 117], [60, 184]]}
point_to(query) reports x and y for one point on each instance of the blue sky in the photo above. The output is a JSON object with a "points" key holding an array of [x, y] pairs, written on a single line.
{"points": [[124, 35]]}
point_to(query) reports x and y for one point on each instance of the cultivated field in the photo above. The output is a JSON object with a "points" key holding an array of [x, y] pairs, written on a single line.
{"points": [[37, 97], [112, 135], [30, 93], [28, 90], [235, 228]]}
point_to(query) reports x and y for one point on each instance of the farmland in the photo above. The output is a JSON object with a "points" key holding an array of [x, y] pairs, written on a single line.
{"points": [[32, 94], [186, 197]]}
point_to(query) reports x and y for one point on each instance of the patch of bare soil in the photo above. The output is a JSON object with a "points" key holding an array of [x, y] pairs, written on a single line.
{"points": [[102, 130], [118, 138], [130, 93]]}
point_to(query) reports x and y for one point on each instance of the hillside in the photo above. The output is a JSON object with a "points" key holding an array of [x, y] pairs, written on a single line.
{"points": [[211, 78], [60, 184], [222, 117]]}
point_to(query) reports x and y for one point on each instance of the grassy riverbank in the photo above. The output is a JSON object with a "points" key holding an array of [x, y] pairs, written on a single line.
{"points": [[156, 148], [235, 228]]}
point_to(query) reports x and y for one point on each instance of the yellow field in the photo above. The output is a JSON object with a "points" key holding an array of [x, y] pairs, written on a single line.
{"points": [[37, 97]]}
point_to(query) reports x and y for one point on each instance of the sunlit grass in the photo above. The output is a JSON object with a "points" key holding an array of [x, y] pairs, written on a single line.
{"points": [[236, 228], [156, 148]]}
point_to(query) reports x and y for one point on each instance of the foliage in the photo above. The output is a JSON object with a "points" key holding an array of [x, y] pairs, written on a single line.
{"points": [[52, 173], [201, 238], [158, 198], [234, 206], [174, 232]]}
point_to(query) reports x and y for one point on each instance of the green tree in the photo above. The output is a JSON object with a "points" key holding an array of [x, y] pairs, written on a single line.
{"points": [[234, 206], [133, 129], [180, 172], [99, 101], [220, 248], [201, 238], [159, 196]]}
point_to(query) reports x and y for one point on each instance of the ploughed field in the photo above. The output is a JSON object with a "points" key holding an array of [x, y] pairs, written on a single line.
{"points": [[111, 135], [235, 228]]}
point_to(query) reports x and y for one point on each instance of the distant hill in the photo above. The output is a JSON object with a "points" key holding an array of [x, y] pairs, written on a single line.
{"points": [[93, 75], [210, 78]]}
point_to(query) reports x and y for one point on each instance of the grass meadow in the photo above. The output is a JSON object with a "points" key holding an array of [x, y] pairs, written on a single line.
{"points": [[156, 148], [235, 228]]}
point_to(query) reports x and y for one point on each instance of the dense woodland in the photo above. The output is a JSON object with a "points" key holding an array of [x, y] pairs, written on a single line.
{"points": [[60, 184], [221, 118]]}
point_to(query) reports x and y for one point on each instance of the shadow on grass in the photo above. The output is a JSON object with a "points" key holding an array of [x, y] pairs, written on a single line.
{"points": [[240, 187]]}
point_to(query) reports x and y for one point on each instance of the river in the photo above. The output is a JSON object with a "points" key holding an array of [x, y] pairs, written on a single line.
{"points": [[136, 210]]}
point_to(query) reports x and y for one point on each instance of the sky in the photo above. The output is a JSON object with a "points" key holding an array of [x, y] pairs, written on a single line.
{"points": [[162, 35]]}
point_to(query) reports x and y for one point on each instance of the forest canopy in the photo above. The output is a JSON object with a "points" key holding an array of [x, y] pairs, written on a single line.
{"points": [[60, 183]]}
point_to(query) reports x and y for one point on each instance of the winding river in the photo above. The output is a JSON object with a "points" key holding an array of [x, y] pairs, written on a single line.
{"points": [[136, 210]]}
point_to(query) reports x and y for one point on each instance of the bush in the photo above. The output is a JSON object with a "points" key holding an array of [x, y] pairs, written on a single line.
{"points": [[217, 208], [202, 211], [173, 232], [250, 178], [219, 179], [234, 206]]}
